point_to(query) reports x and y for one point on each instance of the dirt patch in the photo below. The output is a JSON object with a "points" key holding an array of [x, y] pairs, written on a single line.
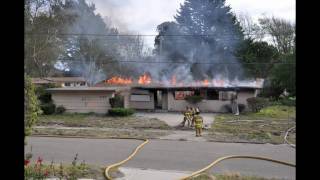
{"points": [[174, 119], [84, 120], [100, 133]]}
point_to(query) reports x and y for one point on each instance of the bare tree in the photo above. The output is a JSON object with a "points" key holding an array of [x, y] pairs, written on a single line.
{"points": [[41, 43], [251, 30], [282, 32]]}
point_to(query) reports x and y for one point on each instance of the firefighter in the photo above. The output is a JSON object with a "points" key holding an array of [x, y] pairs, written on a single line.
{"points": [[193, 113], [187, 117], [234, 103], [198, 120]]}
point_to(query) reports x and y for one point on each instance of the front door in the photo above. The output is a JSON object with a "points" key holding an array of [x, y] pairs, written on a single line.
{"points": [[158, 99]]}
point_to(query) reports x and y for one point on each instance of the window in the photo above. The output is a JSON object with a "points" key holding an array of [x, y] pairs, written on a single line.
{"points": [[180, 95], [212, 94], [82, 84], [224, 95]]}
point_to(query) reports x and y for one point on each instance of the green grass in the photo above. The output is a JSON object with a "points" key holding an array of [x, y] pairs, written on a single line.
{"points": [[271, 112], [235, 176], [66, 171], [101, 121], [278, 112], [267, 126]]}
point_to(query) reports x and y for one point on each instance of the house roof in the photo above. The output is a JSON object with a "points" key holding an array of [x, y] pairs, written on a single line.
{"points": [[257, 84], [57, 79], [194, 87], [78, 89]]}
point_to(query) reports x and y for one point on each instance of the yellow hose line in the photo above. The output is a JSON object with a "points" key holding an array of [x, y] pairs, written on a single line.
{"points": [[106, 172], [234, 157], [286, 135]]}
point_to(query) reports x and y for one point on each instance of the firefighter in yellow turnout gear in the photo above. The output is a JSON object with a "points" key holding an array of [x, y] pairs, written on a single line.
{"points": [[187, 117], [198, 120]]}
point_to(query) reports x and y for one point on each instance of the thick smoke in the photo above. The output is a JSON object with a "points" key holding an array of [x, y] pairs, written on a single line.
{"points": [[201, 43], [87, 53], [187, 50]]}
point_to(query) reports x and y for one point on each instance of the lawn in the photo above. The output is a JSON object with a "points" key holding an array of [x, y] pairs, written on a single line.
{"points": [[267, 126], [100, 133], [100, 126], [101, 121]]}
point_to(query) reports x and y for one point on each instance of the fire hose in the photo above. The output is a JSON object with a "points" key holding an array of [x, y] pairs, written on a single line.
{"points": [[234, 157], [108, 168], [116, 165], [285, 137]]}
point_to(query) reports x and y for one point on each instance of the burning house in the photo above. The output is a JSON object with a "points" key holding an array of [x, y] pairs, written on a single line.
{"points": [[144, 93], [171, 96]]}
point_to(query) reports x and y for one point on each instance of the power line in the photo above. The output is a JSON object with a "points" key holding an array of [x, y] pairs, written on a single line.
{"points": [[174, 62], [88, 34]]}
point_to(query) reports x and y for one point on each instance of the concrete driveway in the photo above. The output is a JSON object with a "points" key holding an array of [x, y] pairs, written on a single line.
{"points": [[174, 118]]}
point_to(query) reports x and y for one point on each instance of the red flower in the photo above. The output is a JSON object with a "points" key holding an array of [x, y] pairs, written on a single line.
{"points": [[26, 162], [46, 173], [39, 160]]}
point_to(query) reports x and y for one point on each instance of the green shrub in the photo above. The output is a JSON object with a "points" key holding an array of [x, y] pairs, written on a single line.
{"points": [[43, 95], [228, 107], [48, 108], [60, 109], [194, 99], [117, 101], [120, 112], [288, 101], [257, 103], [31, 106]]}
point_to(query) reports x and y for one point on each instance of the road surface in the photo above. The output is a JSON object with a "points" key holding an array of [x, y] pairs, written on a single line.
{"points": [[180, 156]]}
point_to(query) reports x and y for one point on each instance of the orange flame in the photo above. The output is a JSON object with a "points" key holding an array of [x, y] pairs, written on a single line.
{"points": [[144, 79], [173, 80], [119, 80], [205, 82]]}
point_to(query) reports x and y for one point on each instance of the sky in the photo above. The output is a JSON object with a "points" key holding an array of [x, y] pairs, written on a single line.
{"points": [[143, 16]]}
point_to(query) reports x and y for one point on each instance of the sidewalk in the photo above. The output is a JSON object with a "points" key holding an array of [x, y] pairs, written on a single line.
{"points": [[146, 174]]}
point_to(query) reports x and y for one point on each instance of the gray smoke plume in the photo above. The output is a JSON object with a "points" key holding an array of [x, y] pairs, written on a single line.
{"points": [[201, 44], [208, 55]]}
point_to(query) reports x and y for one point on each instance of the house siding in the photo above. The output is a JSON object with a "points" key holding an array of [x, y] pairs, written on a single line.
{"points": [[206, 105], [146, 105], [83, 102]]}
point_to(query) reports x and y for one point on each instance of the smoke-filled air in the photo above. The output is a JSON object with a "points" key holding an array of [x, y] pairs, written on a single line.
{"points": [[199, 46]]}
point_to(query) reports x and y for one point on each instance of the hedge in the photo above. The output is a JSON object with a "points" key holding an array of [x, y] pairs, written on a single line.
{"points": [[48, 108], [120, 112], [257, 103], [60, 109]]}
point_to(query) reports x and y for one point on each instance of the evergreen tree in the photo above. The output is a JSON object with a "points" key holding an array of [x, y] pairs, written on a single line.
{"points": [[204, 31]]}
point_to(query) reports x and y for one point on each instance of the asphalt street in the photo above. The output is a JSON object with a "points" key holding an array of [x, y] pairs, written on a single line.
{"points": [[170, 155]]}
